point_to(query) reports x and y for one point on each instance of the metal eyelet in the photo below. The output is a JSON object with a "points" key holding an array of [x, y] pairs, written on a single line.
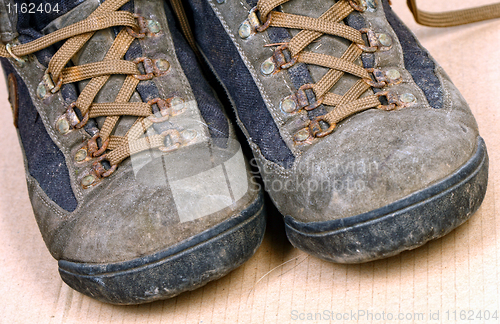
{"points": [[253, 25], [392, 100], [279, 57], [302, 101], [49, 83], [377, 42], [175, 139], [361, 7], [256, 23], [382, 79], [303, 136], [97, 172], [164, 109], [364, 5], [99, 169], [20, 61], [316, 129], [151, 68], [93, 148], [314, 105], [69, 120], [142, 29]]}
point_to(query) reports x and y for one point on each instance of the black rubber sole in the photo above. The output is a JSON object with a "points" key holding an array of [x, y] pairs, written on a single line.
{"points": [[403, 225], [186, 266]]}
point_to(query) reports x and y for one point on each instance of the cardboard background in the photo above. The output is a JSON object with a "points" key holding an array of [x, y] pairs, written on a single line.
{"points": [[458, 272]]}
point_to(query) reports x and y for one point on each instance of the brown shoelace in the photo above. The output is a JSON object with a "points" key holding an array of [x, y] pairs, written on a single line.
{"points": [[454, 18], [311, 29], [331, 23], [105, 16], [76, 35]]}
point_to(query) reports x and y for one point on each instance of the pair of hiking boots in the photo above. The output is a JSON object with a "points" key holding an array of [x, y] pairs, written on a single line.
{"points": [[138, 183]]}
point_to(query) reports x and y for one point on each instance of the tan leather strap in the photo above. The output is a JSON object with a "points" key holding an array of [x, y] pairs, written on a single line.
{"points": [[455, 17]]}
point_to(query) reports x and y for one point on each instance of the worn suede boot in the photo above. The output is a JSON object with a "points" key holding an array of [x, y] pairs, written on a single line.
{"points": [[137, 181], [363, 142]]}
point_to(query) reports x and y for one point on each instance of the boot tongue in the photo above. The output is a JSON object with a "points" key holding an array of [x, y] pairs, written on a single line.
{"points": [[326, 44], [38, 14], [95, 49], [78, 12]]}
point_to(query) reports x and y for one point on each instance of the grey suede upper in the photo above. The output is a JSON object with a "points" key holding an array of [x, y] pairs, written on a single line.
{"points": [[8, 21], [373, 158], [152, 201]]}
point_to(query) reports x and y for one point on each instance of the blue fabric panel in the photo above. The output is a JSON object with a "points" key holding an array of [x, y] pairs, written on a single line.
{"points": [[46, 163]]}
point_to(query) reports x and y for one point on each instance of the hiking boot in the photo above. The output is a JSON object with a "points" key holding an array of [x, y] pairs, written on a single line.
{"points": [[137, 181], [362, 141]]}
